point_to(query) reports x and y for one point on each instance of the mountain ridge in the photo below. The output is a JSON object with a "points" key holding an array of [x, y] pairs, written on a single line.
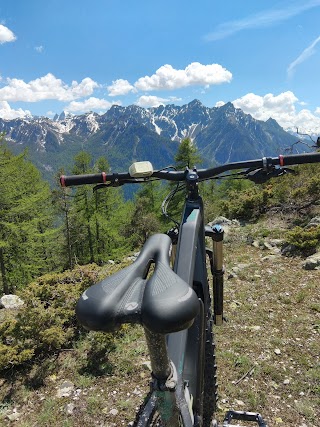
{"points": [[132, 133]]}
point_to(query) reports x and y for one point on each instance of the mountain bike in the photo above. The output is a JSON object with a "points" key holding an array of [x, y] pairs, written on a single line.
{"points": [[167, 291]]}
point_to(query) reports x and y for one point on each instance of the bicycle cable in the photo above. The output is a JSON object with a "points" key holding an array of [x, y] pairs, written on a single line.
{"points": [[164, 206]]}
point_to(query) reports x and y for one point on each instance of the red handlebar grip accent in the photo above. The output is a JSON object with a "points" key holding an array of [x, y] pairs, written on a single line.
{"points": [[281, 160], [104, 177], [62, 181]]}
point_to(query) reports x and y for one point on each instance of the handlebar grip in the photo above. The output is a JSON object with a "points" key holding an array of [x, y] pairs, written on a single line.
{"points": [[70, 180], [295, 159]]}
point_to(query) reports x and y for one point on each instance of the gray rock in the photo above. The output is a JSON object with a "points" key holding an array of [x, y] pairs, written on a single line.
{"points": [[256, 244], [225, 221], [266, 245], [11, 301], [237, 269], [70, 408], [276, 242], [314, 222], [14, 416], [65, 389], [133, 257], [269, 258], [288, 250], [312, 262], [146, 365]]}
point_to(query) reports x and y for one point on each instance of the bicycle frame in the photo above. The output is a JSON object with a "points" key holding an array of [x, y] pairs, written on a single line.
{"points": [[178, 359], [185, 349]]}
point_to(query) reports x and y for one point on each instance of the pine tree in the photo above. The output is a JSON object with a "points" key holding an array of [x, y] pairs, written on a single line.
{"points": [[82, 236], [62, 198], [97, 218], [146, 213], [111, 216], [26, 218], [187, 157]]}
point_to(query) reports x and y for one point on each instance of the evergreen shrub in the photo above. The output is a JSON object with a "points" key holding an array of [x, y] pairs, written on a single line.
{"points": [[306, 240], [47, 323]]}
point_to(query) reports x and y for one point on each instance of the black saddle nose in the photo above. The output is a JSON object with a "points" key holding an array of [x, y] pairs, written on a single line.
{"points": [[163, 302]]}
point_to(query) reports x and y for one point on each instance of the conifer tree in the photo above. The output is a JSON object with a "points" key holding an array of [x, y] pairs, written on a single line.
{"points": [[82, 238], [187, 157], [111, 216], [26, 218], [62, 198], [98, 217], [146, 214]]}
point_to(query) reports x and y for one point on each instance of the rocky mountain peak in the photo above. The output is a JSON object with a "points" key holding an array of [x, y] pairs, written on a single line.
{"points": [[221, 134]]}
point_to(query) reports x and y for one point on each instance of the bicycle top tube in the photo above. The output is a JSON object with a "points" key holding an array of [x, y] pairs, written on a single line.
{"points": [[116, 179]]}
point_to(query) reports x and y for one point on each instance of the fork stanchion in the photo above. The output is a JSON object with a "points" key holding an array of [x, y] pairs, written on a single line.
{"points": [[218, 272]]}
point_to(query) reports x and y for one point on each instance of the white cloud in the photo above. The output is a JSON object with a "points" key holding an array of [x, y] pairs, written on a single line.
{"points": [[39, 49], [146, 101], [308, 51], [84, 88], [6, 35], [219, 104], [7, 113], [90, 104], [46, 87], [263, 19], [282, 108], [264, 106], [120, 87], [317, 110], [167, 77]]}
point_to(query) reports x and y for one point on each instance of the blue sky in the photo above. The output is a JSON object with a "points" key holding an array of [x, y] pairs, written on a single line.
{"points": [[264, 56]]}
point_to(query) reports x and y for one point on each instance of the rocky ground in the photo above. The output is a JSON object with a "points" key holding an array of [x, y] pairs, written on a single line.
{"points": [[268, 351]]}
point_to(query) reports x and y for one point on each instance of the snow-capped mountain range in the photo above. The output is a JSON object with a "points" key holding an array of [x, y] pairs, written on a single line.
{"points": [[126, 134]]}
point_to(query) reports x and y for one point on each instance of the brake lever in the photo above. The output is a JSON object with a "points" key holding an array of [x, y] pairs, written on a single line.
{"points": [[118, 183], [260, 176], [100, 186]]}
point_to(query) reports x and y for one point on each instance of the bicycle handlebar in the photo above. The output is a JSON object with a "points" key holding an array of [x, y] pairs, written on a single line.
{"points": [[125, 177]]}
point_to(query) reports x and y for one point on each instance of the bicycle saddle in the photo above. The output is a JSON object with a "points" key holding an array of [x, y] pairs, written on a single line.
{"points": [[163, 303]]}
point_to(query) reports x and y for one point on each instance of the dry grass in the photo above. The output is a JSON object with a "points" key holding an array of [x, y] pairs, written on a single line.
{"points": [[269, 350], [268, 356]]}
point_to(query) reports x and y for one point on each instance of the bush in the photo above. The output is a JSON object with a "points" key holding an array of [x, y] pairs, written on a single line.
{"points": [[247, 204], [46, 322], [304, 239]]}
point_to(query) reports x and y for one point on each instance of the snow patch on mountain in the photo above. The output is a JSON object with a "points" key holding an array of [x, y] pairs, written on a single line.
{"points": [[93, 125], [156, 127]]}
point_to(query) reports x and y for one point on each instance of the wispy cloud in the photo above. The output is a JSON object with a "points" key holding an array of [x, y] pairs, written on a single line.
{"points": [[308, 51], [265, 18], [39, 49]]}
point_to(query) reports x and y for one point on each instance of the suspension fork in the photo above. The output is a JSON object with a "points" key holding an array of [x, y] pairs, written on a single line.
{"points": [[216, 233]]}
